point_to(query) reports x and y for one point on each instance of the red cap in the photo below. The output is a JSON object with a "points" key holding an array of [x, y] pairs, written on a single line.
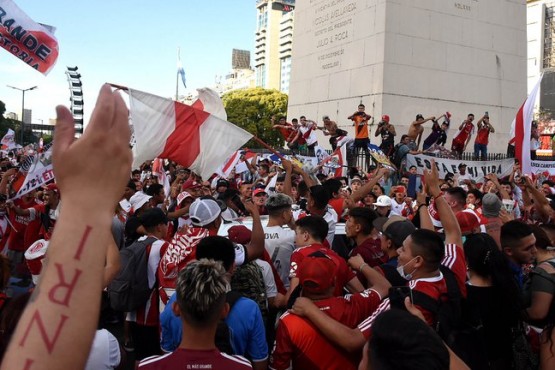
{"points": [[239, 234], [468, 221], [385, 118], [316, 274], [190, 184], [52, 187], [400, 189], [258, 191]]}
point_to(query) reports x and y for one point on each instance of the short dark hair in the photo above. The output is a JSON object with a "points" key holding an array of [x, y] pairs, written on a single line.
{"points": [[361, 105], [153, 217], [477, 194], [217, 248], [301, 117], [333, 185], [429, 245], [131, 185], [364, 217], [320, 195], [404, 137], [400, 340], [316, 227], [135, 172], [512, 232], [264, 166], [458, 193], [470, 114], [154, 189]]}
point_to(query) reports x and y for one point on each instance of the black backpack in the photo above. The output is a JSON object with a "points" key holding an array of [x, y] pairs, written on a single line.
{"points": [[129, 290], [466, 340], [249, 281]]}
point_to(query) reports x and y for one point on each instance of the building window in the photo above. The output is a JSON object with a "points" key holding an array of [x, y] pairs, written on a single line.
{"points": [[285, 74], [261, 76], [262, 17], [549, 40]]}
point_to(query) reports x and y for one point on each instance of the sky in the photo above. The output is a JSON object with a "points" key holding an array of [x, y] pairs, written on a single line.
{"points": [[128, 42]]}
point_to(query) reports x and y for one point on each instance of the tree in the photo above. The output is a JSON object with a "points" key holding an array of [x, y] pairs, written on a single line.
{"points": [[252, 109]]}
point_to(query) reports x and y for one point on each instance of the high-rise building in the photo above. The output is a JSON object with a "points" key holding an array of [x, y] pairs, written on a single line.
{"points": [[541, 51], [273, 43], [240, 59]]}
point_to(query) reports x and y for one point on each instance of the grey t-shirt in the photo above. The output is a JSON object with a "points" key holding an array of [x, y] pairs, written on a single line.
{"points": [[280, 244]]}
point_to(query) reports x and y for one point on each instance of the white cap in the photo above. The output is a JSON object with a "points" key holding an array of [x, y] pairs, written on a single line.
{"points": [[138, 200], [204, 211], [383, 201]]}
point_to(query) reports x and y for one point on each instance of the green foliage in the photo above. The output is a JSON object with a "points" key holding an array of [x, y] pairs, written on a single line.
{"points": [[252, 109]]}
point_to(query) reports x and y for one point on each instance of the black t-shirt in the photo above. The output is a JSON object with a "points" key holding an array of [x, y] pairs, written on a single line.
{"points": [[131, 227]]}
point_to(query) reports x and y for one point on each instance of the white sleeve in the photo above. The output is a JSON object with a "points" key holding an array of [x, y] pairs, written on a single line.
{"points": [[32, 214], [240, 254], [114, 354]]}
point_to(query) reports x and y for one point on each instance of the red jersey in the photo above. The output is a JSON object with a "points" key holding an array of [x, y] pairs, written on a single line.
{"points": [[433, 287], [337, 205], [465, 133], [371, 252], [343, 273], [17, 234], [300, 343], [482, 136], [37, 214], [195, 359]]}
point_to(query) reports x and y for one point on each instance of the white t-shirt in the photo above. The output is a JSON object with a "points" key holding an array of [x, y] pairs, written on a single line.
{"points": [[105, 352], [397, 208], [280, 244], [312, 138]]}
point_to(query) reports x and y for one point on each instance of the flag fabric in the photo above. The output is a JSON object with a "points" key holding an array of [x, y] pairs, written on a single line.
{"points": [[337, 161], [35, 172], [230, 164], [521, 129], [191, 137], [8, 141], [26, 39], [209, 101], [181, 72], [158, 171], [271, 187]]}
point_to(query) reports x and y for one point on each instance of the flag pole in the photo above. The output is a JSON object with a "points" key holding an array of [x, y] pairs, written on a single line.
{"points": [[258, 140], [177, 78]]}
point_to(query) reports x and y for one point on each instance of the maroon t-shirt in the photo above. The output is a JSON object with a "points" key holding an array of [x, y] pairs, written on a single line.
{"points": [[195, 359]]}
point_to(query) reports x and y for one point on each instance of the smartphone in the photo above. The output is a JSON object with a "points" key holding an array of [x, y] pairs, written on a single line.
{"points": [[397, 295]]}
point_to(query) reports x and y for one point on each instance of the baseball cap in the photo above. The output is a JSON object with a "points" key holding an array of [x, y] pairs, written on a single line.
{"points": [[383, 201], [462, 165], [138, 200], [385, 118], [222, 182], [52, 187], [491, 205], [316, 274], [153, 217], [204, 211], [182, 196], [239, 234], [396, 228], [356, 178], [191, 184], [258, 191], [34, 256], [468, 220]]}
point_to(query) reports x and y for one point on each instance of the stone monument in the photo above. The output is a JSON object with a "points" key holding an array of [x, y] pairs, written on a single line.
{"points": [[404, 57]]}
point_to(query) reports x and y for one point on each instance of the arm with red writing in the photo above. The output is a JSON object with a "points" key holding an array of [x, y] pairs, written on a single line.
{"points": [[57, 327]]}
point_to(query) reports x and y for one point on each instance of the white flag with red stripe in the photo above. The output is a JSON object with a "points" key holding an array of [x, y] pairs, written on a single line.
{"points": [[521, 128], [209, 101], [191, 137], [337, 161], [230, 164]]}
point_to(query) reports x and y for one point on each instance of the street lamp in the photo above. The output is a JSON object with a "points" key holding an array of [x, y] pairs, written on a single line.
{"points": [[22, 106]]}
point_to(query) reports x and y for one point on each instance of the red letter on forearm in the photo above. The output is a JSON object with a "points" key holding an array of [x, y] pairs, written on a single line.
{"points": [[67, 287], [49, 343]]}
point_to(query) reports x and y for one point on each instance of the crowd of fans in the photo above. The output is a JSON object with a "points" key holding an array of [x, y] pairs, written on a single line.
{"points": [[247, 272]]}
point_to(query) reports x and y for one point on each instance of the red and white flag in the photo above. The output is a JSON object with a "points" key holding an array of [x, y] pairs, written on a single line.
{"points": [[337, 161], [158, 171], [209, 101], [8, 141], [191, 137], [27, 40], [230, 164], [521, 128]]}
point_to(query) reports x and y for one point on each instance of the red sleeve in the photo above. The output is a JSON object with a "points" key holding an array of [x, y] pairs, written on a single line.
{"points": [[296, 259], [363, 305], [455, 261], [283, 348]]}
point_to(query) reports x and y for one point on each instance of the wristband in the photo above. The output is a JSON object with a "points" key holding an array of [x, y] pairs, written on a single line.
{"points": [[362, 266], [420, 206], [438, 196]]}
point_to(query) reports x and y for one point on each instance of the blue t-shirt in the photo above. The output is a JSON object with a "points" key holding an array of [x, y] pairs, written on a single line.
{"points": [[244, 322]]}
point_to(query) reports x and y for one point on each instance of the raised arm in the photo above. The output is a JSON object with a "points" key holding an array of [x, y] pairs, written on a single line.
{"points": [[376, 281], [255, 249], [448, 220], [52, 332], [366, 188]]}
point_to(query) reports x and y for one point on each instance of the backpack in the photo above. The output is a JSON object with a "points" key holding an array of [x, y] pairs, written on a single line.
{"points": [[248, 280], [467, 341], [129, 290]]}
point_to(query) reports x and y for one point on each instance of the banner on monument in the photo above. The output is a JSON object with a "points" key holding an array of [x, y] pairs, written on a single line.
{"points": [[476, 169], [542, 166]]}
